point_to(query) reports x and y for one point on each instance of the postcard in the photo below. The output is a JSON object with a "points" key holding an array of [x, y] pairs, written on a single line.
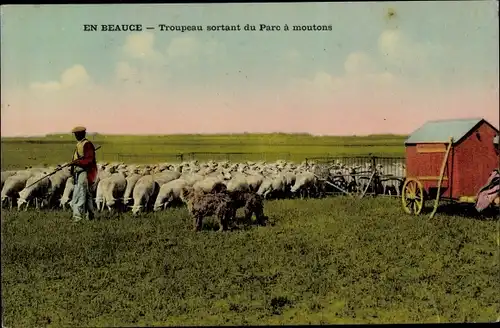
{"points": [[250, 163]]}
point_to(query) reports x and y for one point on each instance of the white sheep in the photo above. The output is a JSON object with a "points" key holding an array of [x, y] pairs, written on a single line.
{"points": [[12, 186], [67, 193], [164, 177], [99, 197], [254, 181], [34, 191], [169, 192], [237, 184], [143, 194], [266, 187], [304, 183], [5, 175], [131, 181], [192, 178], [113, 189], [208, 184], [57, 185]]}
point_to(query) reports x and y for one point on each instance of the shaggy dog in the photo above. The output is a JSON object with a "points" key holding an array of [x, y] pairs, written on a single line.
{"points": [[252, 204], [201, 205], [219, 188]]}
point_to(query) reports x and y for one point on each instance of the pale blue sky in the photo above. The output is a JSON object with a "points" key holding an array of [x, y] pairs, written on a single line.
{"points": [[40, 42], [55, 34]]}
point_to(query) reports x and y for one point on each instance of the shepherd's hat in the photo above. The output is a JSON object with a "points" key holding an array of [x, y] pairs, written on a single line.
{"points": [[78, 129]]}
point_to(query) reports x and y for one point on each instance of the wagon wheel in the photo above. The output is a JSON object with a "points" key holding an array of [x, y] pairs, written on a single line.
{"points": [[412, 196]]}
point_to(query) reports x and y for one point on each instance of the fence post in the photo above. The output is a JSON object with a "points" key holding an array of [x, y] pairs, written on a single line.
{"points": [[376, 178]]}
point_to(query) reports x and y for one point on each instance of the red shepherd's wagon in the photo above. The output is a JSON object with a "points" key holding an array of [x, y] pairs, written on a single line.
{"points": [[448, 159]]}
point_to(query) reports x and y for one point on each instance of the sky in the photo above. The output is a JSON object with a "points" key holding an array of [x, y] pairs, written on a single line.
{"points": [[382, 68]]}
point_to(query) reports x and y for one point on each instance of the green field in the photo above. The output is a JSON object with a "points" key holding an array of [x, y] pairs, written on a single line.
{"points": [[319, 261], [54, 149]]}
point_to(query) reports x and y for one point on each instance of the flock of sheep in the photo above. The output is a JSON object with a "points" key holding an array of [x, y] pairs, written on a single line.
{"points": [[142, 188]]}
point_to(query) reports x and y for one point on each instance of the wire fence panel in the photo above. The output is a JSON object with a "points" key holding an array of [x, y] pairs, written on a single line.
{"points": [[236, 156], [148, 158], [366, 175], [199, 156]]}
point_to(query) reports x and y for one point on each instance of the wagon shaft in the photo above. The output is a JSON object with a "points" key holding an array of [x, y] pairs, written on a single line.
{"points": [[335, 186]]}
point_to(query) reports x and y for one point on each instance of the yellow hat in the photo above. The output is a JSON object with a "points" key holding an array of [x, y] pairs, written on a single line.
{"points": [[78, 129]]}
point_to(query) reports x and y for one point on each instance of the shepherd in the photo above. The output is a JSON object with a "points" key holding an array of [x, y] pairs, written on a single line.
{"points": [[84, 171]]}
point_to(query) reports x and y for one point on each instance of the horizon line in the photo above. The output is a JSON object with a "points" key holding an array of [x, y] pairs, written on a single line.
{"points": [[205, 134]]}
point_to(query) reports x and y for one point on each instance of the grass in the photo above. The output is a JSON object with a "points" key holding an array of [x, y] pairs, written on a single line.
{"points": [[320, 261], [54, 149], [334, 260]]}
